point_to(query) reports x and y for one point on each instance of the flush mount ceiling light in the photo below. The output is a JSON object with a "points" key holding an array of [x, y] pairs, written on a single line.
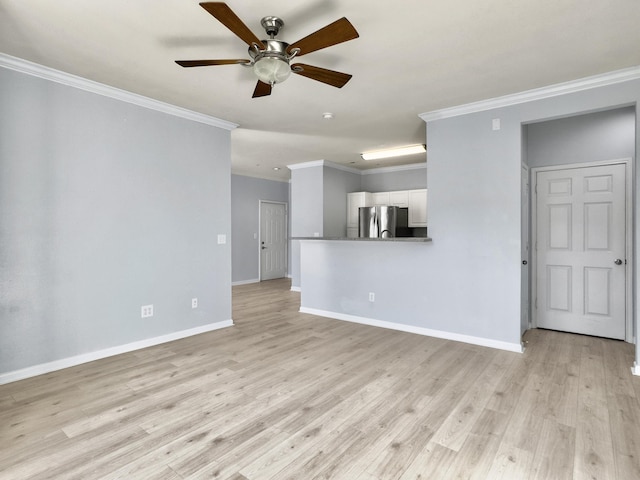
{"points": [[394, 152]]}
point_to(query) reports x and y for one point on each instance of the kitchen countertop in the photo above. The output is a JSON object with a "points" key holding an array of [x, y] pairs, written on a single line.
{"points": [[366, 239]]}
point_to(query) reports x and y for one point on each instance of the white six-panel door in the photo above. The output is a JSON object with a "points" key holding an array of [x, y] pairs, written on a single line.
{"points": [[273, 240], [581, 245]]}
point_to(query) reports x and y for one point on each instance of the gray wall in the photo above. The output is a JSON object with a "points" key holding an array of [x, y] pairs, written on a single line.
{"points": [[462, 282], [593, 137], [468, 280], [336, 185], [410, 179], [105, 207], [307, 201], [246, 193], [306, 212]]}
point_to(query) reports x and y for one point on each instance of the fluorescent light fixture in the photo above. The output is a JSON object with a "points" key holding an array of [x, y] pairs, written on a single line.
{"points": [[394, 152]]}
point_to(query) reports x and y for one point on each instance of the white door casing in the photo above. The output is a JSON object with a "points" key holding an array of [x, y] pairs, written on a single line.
{"points": [[581, 277], [273, 240], [524, 250]]}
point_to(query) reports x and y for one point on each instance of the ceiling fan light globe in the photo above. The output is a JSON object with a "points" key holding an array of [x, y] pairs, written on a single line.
{"points": [[272, 70]]}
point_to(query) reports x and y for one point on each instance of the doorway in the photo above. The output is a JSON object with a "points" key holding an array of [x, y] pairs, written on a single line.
{"points": [[273, 240], [581, 233]]}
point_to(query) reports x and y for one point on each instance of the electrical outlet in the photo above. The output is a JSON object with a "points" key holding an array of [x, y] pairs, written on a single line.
{"points": [[372, 297], [146, 311], [194, 303], [222, 239]]}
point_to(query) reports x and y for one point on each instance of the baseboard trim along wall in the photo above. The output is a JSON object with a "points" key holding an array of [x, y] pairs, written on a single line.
{"points": [[296, 289], [107, 352], [245, 282], [635, 369], [483, 342]]}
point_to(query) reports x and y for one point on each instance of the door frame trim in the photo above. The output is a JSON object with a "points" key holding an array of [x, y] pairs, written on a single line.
{"points": [[628, 237], [286, 232], [527, 219]]}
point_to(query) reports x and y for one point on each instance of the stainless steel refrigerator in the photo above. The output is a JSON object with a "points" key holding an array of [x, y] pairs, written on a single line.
{"points": [[377, 222]]}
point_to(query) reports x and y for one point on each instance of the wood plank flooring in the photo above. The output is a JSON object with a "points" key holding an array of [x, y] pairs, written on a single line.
{"points": [[284, 395]]}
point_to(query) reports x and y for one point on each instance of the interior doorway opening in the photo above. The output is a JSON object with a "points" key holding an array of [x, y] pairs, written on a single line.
{"points": [[588, 140], [273, 240]]}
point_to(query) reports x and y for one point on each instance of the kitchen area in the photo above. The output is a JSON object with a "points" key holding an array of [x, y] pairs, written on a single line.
{"points": [[325, 202], [387, 215]]}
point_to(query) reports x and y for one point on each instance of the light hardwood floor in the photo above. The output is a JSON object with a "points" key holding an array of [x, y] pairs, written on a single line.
{"points": [[284, 395]]}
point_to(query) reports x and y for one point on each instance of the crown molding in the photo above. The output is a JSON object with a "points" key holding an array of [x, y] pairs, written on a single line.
{"points": [[36, 70], [344, 168], [610, 78], [337, 166], [397, 168], [323, 163], [298, 166], [259, 176]]}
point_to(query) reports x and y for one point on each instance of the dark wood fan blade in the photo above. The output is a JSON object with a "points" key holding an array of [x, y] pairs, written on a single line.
{"points": [[334, 33], [262, 89], [225, 15], [330, 77], [204, 63]]}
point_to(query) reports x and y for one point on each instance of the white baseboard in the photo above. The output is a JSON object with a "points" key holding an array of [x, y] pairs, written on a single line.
{"points": [[295, 289], [107, 352], [635, 369], [484, 342], [245, 282]]}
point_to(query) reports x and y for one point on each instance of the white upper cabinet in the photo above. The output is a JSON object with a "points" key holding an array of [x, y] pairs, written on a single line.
{"points": [[418, 208], [381, 198], [399, 199]]}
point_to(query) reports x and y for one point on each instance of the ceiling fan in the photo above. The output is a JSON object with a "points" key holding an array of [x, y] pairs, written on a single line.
{"points": [[271, 58]]}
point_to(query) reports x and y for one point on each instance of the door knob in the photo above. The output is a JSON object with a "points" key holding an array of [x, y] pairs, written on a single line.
{"points": [[617, 261], [524, 262]]}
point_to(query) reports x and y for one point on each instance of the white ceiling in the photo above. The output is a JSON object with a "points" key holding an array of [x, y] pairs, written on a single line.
{"points": [[413, 56]]}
